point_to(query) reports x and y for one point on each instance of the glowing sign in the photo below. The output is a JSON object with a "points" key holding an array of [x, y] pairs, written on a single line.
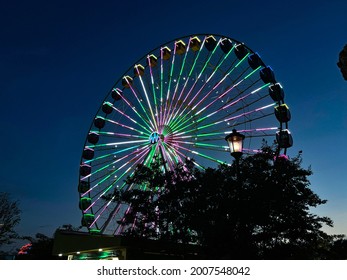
{"points": [[154, 137]]}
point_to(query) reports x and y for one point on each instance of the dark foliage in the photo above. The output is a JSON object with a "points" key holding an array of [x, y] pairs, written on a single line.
{"points": [[260, 210], [342, 63], [9, 218], [38, 248], [338, 248]]}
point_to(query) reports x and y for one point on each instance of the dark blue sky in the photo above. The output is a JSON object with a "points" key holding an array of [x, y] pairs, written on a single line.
{"points": [[59, 59]]}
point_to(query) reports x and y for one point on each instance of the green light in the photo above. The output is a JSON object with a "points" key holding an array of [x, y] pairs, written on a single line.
{"points": [[110, 174], [208, 134], [112, 133], [114, 153], [143, 109], [145, 142], [210, 145], [178, 120], [202, 119], [174, 123], [167, 153], [102, 168], [198, 165], [150, 156], [177, 124], [250, 74], [170, 77], [196, 59], [153, 90], [148, 102], [125, 126], [161, 77], [184, 61], [104, 255], [208, 157], [246, 56], [198, 128], [171, 151], [123, 114], [260, 88], [137, 113], [208, 125]]}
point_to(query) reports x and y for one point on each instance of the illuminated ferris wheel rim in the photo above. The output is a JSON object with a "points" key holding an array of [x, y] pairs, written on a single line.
{"points": [[156, 120], [278, 94]]}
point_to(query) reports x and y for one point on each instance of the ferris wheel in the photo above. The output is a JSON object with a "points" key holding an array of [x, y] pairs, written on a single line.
{"points": [[178, 101]]}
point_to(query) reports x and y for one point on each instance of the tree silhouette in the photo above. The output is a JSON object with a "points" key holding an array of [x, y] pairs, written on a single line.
{"points": [[39, 248], [9, 218], [342, 63], [338, 248], [259, 209]]}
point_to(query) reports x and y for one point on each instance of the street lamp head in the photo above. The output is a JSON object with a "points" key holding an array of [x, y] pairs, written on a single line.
{"points": [[235, 142]]}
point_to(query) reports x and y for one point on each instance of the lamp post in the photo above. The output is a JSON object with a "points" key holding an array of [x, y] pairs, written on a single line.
{"points": [[235, 142]]}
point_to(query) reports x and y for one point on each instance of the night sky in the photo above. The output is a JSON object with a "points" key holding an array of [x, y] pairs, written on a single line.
{"points": [[59, 59]]}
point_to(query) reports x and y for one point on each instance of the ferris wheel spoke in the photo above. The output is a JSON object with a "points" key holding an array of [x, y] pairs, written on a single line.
{"points": [[111, 215], [172, 153], [249, 120], [168, 162], [134, 162], [107, 166], [179, 128], [198, 144], [147, 99], [233, 102], [238, 109], [133, 108], [258, 110], [243, 107], [189, 105], [186, 79], [178, 79], [116, 135], [194, 162], [131, 119], [256, 113], [139, 100], [259, 132], [220, 62], [120, 143], [175, 158], [110, 154], [230, 70], [163, 111], [124, 126], [157, 114], [161, 78], [183, 103], [193, 108], [197, 153], [121, 226], [255, 132], [101, 195], [235, 85]]}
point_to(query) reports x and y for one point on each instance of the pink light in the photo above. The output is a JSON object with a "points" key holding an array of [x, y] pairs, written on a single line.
{"points": [[106, 206], [168, 90], [145, 149], [138, 100]]}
